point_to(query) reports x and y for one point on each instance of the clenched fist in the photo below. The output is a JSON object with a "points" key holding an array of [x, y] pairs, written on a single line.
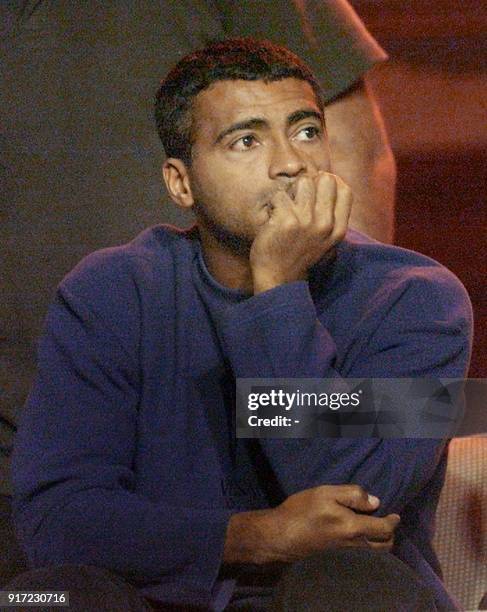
{"points": [[299, 232]]}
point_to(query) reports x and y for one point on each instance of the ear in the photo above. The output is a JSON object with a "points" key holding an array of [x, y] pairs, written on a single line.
{"points": [[176, 177]]}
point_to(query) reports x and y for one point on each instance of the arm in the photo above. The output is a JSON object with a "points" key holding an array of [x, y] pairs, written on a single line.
{"points": [[362, 156], [422, 329], [306, 523], [76, 499]]}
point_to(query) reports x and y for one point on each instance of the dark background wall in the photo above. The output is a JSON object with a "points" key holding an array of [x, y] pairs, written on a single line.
{"points": [[433, 93]]}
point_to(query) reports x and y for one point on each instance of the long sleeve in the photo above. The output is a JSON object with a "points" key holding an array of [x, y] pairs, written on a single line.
{"points": [[74, 463], [419, 326]]}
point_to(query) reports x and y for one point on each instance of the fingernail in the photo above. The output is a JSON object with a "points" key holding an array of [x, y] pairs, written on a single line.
{"points": [[373, 500]]}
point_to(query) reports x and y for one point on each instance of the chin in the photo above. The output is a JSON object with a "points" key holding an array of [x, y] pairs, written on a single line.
{"points": [[240, 245], [238, 242]]}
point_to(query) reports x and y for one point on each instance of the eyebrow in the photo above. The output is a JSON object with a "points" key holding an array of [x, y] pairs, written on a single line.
{"points": [[257, 122], [299, 115]]}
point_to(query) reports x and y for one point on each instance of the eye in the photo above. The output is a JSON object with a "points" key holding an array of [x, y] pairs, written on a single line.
{"points": [[244, 143], [310, 132]]}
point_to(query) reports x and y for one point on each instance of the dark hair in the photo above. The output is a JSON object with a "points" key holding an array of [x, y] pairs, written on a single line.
{"points": [[248, 59]]}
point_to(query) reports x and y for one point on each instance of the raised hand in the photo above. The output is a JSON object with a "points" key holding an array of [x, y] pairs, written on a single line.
{"points": [[299, 232]]}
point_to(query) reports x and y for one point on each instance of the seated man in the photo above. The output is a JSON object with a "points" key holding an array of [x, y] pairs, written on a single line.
{"points": [[126, 460]]}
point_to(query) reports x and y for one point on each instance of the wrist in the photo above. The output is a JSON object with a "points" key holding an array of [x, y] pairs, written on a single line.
{"points": [[266, 282], [253, 537]]}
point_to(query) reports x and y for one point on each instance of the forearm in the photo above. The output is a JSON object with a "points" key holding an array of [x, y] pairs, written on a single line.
{"points": [[373, 181], [120, 530], [395, 470], [277, 335], [362, 157]]}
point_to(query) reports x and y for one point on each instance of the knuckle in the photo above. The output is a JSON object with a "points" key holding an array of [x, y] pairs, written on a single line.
{"points": [[339, 235], [324, 227], [351, 528], [326, 177], [289, 224], [329, 182]]}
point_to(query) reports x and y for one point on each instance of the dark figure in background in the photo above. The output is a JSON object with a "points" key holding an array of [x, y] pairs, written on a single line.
{"points": [[126, 459]]}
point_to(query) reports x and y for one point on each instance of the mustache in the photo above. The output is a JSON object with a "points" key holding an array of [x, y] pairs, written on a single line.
{"points": [[290, 191]]}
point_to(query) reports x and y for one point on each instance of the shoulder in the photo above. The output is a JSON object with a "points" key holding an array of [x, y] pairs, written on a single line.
{"points": [[124, 270], [405, 309], [391, 269], [372, 281], [113, 292]]}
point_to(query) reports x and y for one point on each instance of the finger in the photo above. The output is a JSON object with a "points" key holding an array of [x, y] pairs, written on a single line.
{"points": [[280, 200], [381, 546], [355, 497], [305, 192], [359, 542], [326, 192], [363, 542], [377, 529], [343, 207], [281, 206]]}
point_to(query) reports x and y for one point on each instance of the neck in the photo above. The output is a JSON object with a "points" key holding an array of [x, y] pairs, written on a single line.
{"points": [[230, 268]]}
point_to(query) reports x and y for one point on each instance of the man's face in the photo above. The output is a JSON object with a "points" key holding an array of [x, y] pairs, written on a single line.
{"points": [[250, 139]]}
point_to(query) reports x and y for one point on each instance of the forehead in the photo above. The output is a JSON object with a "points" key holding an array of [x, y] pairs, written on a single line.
{"points": [[227, 102]]}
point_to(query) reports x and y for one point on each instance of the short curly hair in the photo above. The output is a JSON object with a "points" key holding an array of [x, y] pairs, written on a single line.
{"points": [[247, 59]]}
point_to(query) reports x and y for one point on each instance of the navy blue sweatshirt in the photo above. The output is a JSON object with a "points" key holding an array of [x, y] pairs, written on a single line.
{"points": [[125, 456]]}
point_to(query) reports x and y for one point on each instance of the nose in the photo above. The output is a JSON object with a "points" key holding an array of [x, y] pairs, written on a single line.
{"points": [[286, 161]]}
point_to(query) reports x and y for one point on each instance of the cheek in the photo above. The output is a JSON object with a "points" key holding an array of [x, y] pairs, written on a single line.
{"points": [[323, 159], [236, 187], [205, 182], [325, 165], [220, 184]]}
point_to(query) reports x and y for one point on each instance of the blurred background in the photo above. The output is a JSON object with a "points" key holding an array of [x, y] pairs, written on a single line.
{"points": [[433, 94]]}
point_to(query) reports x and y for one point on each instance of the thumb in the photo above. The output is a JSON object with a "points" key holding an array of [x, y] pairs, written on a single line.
{"points": [[356, 498]]}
